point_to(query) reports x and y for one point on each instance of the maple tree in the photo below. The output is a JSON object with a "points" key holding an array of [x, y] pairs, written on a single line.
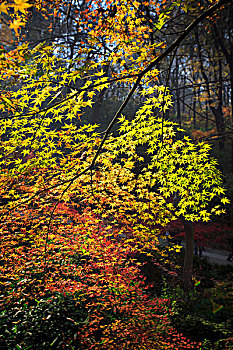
{"points": [[73, 209]]}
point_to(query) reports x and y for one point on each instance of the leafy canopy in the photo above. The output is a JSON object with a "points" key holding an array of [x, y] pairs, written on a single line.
{"points": [[123, 197]]}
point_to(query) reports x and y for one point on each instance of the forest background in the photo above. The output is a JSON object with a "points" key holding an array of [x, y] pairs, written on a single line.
{"points": [[111, 112]]}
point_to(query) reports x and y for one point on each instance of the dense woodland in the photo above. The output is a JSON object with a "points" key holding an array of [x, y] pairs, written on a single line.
{"points": [[116, 155]]}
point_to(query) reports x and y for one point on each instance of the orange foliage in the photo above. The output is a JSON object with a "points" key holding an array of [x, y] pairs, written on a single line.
{"points": [[200, 135]]}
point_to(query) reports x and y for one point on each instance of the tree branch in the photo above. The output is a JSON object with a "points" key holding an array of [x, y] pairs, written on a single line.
{"points": [[140, 75]]}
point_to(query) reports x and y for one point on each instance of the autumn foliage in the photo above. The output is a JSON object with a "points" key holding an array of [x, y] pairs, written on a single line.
{"points": [[77, 205], [81, 263]]}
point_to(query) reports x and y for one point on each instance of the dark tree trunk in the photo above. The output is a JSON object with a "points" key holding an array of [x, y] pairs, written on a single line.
{"points": [[178, 93], [194, 109], [184, 82], [206, 114], [189, 243], [231, 78], [217, 111], [188, 258]]}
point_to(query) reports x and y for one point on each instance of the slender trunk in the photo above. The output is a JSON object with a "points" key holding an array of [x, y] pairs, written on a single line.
{"points": [[97, 107], [217, 111], [206, 114], [178, 93], [184, 82], [231, 94], [189, 243], [220, 105], [188, 258], [194, 109]]}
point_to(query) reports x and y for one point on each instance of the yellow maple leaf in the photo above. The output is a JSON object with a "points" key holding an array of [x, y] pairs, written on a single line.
{"points": [[16, 24], [91, 94], [3, 7], [21, 5]]}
